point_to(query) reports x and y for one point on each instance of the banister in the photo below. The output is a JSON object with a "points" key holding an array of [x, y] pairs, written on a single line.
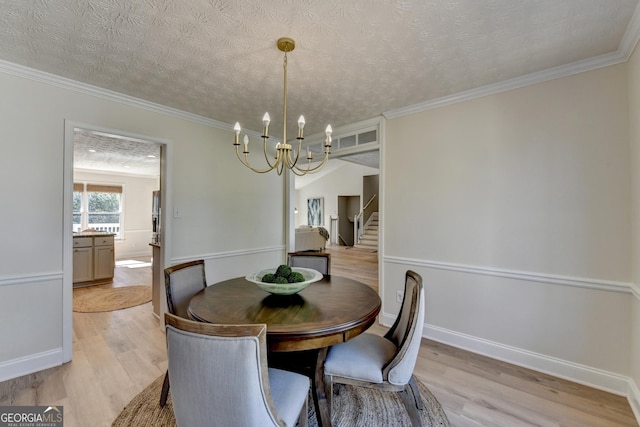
{"points": [[358, 225], [368, 203]]}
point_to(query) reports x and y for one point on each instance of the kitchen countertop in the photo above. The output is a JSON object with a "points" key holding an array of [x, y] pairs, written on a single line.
{"points": [[93, 233]]}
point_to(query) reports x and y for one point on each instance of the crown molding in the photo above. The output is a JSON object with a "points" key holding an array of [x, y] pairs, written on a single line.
{"points": [[507, 85], [631, 36], [624, 52], [68, 84]]}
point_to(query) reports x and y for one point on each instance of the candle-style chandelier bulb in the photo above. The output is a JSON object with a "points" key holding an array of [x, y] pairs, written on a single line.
{"points": [[300, 127], [286, 156]]}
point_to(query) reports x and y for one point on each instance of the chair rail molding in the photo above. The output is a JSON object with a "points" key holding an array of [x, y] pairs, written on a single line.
{"points": [[228, 254], [580, 282], [31, 278], [635, 290]]}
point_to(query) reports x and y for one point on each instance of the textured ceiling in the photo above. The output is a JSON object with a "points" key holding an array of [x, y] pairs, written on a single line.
{"points": [[354, 60], [100, 152]]}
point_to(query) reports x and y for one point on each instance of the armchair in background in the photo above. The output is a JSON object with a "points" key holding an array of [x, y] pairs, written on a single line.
{"points": [[309, 238]]}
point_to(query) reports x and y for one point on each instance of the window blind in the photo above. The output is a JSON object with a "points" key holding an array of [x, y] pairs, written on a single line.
{"points": [[104, 188]]}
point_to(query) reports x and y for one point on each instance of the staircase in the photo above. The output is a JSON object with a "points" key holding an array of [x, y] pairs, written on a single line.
{"points": [[369, 239]]}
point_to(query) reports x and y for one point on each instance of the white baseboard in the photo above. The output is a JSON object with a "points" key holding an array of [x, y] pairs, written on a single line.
{"points": [[634, 399], [28, 365], [592, 377]]}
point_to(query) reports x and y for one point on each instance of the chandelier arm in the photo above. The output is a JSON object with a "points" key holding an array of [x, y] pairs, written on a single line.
{"points": [[309, 169], [286, 156], [280, 169], [245, 162], [294, 162], [266, 157]]}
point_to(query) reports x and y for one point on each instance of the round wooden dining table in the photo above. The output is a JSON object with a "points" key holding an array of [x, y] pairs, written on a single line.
{"points": [[330, 311]]}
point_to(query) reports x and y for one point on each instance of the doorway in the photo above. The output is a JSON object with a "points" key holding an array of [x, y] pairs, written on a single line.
{"points": [[113, 161], [348, 208], [115, 177]]}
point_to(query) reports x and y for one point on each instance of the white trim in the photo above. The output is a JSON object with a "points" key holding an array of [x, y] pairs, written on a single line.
{"points": [[33, 363], [624, 52], [64, 83], [67, 241], [67, 238], [229, 254], [515, 83], [575, 372], [580, 282], [38, 278], [631, 35], [634, 399], [582, 374], [382, 173], [635, 290]]}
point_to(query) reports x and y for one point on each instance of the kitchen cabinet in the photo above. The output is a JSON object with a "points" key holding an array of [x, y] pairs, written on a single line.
{"points": [[103, 257], [82, 259], [93, 258]]}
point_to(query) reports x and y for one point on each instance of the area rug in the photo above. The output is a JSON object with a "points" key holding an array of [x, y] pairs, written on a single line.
{"points": [[352, 407], [95, 300]]}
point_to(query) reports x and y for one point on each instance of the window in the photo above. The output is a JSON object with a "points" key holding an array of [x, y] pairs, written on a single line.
{"points": [[97, 207], [341, 142]]}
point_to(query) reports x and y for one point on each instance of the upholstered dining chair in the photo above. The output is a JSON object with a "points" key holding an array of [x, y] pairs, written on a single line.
{"points": [[320, 261], [385, 363], [181, 282], [219, 377]]}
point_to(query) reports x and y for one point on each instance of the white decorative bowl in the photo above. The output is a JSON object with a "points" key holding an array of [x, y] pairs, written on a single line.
{"points": [[309, 274]]}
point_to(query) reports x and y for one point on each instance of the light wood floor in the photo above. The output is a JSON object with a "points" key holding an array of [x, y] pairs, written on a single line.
{"points": [[116, 354]]}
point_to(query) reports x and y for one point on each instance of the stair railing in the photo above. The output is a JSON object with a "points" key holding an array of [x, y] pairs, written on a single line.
{"points": [[358, 226]]}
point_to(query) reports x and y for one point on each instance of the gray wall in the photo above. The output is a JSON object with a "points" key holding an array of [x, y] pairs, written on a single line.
{"points": [[216, 197], [515, 208]]}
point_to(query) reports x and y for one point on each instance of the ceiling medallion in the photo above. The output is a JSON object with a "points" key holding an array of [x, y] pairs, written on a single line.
{"points": [[286, 156]]}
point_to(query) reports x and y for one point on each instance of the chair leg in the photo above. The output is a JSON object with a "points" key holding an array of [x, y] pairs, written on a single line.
{"points": [[164, 395], [412, 402], [328, 389], [303, 419], [416, 392]]}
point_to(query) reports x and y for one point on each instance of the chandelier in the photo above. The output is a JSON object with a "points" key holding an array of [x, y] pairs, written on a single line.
{"points": [[286, 156]]}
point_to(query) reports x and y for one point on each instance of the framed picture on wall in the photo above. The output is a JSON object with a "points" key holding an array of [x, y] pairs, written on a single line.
{"points": [[315, 210]]}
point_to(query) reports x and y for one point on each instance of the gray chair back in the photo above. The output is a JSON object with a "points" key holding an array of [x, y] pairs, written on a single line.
{"points": [[219, 374], [183, 281], [320, 261], [406, 332]]}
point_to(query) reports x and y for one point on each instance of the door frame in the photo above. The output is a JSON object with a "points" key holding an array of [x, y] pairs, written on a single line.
{"points": [[166, 153]]}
